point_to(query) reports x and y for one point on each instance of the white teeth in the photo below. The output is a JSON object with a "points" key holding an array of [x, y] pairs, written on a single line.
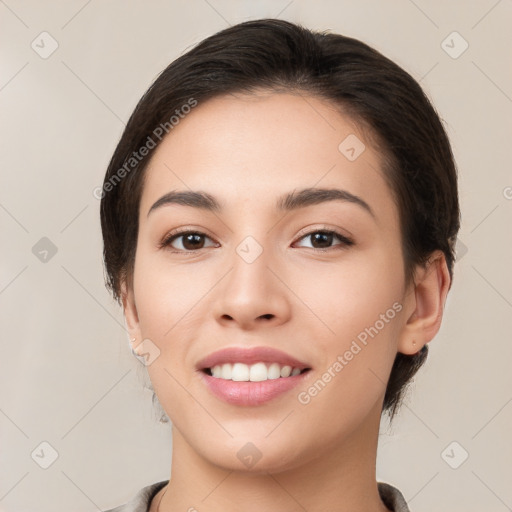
{"points": [[258, 372], [274, 371], [240, 372], [285, 371], [226, 371]]}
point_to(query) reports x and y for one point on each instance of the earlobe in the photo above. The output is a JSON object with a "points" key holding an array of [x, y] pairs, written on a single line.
{"points": [[431, 285]]}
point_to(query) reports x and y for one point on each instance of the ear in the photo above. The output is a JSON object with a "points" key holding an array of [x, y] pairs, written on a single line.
{"points": [[130, 313], [426, 304]]}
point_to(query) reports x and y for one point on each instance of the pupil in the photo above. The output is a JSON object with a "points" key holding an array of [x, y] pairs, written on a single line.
{"points": [[327, 238], [194, 240]]}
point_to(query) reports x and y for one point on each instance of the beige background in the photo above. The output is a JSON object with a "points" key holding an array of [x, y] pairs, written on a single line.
{"points": [[67, 376]]}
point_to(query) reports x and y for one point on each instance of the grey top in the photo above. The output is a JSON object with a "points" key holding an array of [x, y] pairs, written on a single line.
{"points": [[391, 496]]}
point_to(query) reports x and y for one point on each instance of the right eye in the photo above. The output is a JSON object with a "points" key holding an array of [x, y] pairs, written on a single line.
{"points": [[187, 241]]}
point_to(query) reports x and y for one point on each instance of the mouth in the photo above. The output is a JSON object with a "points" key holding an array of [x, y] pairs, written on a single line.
{"points": [[259, 372], [251, 376]]}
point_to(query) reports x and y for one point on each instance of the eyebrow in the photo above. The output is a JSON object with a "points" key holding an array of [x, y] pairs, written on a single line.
{"points": [[291, 201]]}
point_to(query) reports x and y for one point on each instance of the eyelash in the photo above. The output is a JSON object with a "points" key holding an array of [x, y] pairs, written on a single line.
{"points": [[166, 242]]}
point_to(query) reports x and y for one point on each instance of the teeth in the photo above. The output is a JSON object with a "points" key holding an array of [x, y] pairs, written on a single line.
{"points": [[257, 372], [240, 372], [274, 371], [226, 371], [285, 371]]}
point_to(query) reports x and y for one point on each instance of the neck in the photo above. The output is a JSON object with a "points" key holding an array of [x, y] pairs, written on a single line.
{"points": [[342, 479]]}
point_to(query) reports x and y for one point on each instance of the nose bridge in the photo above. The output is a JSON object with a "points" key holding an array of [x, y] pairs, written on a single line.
{"points": [[251, 292], [250, 276], [252, 249]]}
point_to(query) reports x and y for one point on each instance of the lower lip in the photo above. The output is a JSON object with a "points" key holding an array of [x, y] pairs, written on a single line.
{"points": [[251, 393]]}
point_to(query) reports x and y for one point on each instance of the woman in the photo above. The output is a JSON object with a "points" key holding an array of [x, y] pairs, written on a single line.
{"points": [[279, 220]]}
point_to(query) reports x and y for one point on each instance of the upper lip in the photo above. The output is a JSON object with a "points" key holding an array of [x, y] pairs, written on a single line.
{"points": [[250, 356]]}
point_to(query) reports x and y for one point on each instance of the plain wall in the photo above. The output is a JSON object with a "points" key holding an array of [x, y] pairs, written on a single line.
{"points": [[67, 375]]}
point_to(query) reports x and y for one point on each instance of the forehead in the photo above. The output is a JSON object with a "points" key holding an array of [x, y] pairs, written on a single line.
{"points": [[248, 148]]}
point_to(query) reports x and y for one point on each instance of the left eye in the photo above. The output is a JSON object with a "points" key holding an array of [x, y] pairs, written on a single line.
{"points": [[325, 238]]}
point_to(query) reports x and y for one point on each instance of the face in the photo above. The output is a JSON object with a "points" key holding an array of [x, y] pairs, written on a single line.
{"points": [[314, 282]]}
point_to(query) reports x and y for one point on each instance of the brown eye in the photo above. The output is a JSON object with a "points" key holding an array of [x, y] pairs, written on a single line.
{"points": [[187, 241], [323, 239]]}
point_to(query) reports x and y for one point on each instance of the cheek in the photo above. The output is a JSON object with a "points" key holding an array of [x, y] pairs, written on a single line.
{"points": [[352, 295], [359, 316], [172, 303], [166, 293]]}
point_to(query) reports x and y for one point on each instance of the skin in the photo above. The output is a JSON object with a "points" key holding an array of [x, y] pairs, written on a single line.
{"points": [[247, 150]]}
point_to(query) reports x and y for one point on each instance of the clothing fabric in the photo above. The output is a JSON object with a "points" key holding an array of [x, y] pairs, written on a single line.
{"points": [[391, 497]]}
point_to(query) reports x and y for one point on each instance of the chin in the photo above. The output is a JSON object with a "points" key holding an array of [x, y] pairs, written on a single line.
{"points": [[256, 455]]}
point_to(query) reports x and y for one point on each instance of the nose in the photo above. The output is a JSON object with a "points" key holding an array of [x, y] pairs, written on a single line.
{"points": [[253, 294]]}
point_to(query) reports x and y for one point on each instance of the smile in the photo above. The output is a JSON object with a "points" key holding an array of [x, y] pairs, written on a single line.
{"points": [[250, 376], [258, 372]]}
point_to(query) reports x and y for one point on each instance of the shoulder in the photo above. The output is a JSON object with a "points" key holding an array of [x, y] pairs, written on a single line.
{"points": [[141, 501], [392, 498]]}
